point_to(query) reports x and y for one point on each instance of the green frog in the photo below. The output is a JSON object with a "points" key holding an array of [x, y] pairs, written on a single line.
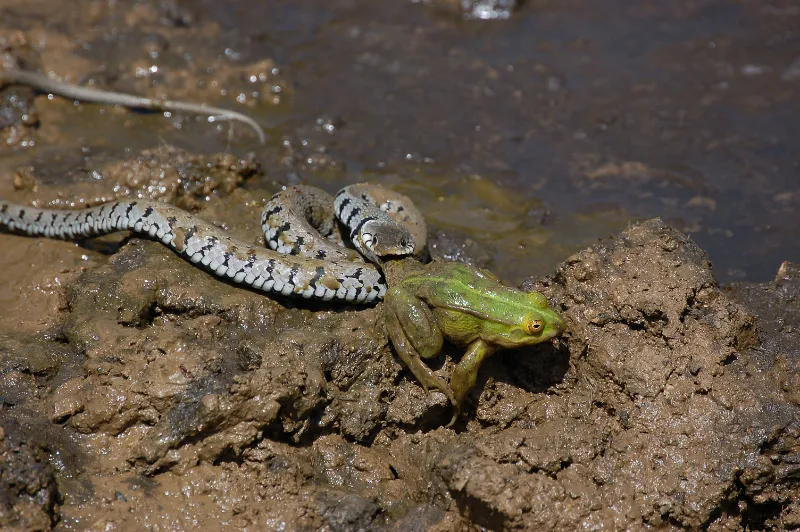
{"points": [[427, 303]]}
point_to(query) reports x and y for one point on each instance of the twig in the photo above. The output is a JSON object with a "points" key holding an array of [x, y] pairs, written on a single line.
{"points": [[44, 83]]}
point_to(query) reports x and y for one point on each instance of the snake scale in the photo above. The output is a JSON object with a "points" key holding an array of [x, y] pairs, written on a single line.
{"points": [[302, 262]]}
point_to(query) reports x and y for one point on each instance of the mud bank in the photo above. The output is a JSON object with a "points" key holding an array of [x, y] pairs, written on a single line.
{"points": [[137, 392], [150, 394]]}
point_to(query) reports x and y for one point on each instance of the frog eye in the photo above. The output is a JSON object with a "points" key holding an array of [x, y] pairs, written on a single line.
{"points": [[534, 327]]}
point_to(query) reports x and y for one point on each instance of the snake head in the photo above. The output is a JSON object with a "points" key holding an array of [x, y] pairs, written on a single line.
{"points": [[380, 239]]}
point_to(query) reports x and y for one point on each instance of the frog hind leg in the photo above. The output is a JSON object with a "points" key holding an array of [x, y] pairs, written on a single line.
{"points": [[466, 374], [413, 330]]}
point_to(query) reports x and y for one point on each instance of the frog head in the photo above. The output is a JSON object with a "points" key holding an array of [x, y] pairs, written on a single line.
{"points": [[472, 304], [520, 319]]}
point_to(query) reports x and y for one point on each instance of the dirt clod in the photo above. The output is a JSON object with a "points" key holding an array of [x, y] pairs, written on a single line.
{"points": [[29, 497]]}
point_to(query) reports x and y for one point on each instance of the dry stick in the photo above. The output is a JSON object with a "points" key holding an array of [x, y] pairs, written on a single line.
{"points": [[45, 84]]}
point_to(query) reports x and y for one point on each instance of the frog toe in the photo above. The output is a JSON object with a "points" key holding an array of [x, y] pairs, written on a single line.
{"points": [[456, 414]]}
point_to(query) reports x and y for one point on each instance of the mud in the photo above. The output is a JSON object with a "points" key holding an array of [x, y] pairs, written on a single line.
{"points": [[28, 493], [182, 401], [43, 268], [137, 392]]}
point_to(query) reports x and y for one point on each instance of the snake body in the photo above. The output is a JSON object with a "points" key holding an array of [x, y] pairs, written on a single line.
{"points": [[295, 221], [301, 262]]}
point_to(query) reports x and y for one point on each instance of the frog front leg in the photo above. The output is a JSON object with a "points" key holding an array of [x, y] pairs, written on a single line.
{"points": [[415, 334], [466, 373]]}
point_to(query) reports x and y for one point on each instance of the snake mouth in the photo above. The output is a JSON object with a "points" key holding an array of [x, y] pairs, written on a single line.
{"points": [[393, 257], [392, 252], [386, 257]]}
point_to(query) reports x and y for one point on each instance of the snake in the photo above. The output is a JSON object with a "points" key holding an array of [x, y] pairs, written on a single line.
{"points": [[377, 218], [303, 259]]}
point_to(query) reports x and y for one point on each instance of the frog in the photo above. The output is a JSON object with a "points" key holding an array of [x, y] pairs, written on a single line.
{"points": [[468, 306]]}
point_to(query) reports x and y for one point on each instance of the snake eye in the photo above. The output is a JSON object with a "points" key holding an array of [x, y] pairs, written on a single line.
{"points": [[534, 327], [403, 242]]}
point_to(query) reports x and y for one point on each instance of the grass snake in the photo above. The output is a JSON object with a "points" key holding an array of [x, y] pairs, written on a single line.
{"points": [[299, 227]]}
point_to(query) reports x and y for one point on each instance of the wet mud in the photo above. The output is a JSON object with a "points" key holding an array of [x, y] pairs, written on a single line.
{"points": [[182, 401], [138, 392]]}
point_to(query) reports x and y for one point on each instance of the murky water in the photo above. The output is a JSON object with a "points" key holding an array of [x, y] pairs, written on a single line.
{"points": [[535, 136]]}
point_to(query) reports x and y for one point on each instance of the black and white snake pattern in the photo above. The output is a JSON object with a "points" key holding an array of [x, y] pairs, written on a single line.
{"points": [[301, 263], [294, 219]]}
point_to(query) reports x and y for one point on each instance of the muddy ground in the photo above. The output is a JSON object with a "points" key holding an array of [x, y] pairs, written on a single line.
{"points": [[154, 396], [137, 392]]}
